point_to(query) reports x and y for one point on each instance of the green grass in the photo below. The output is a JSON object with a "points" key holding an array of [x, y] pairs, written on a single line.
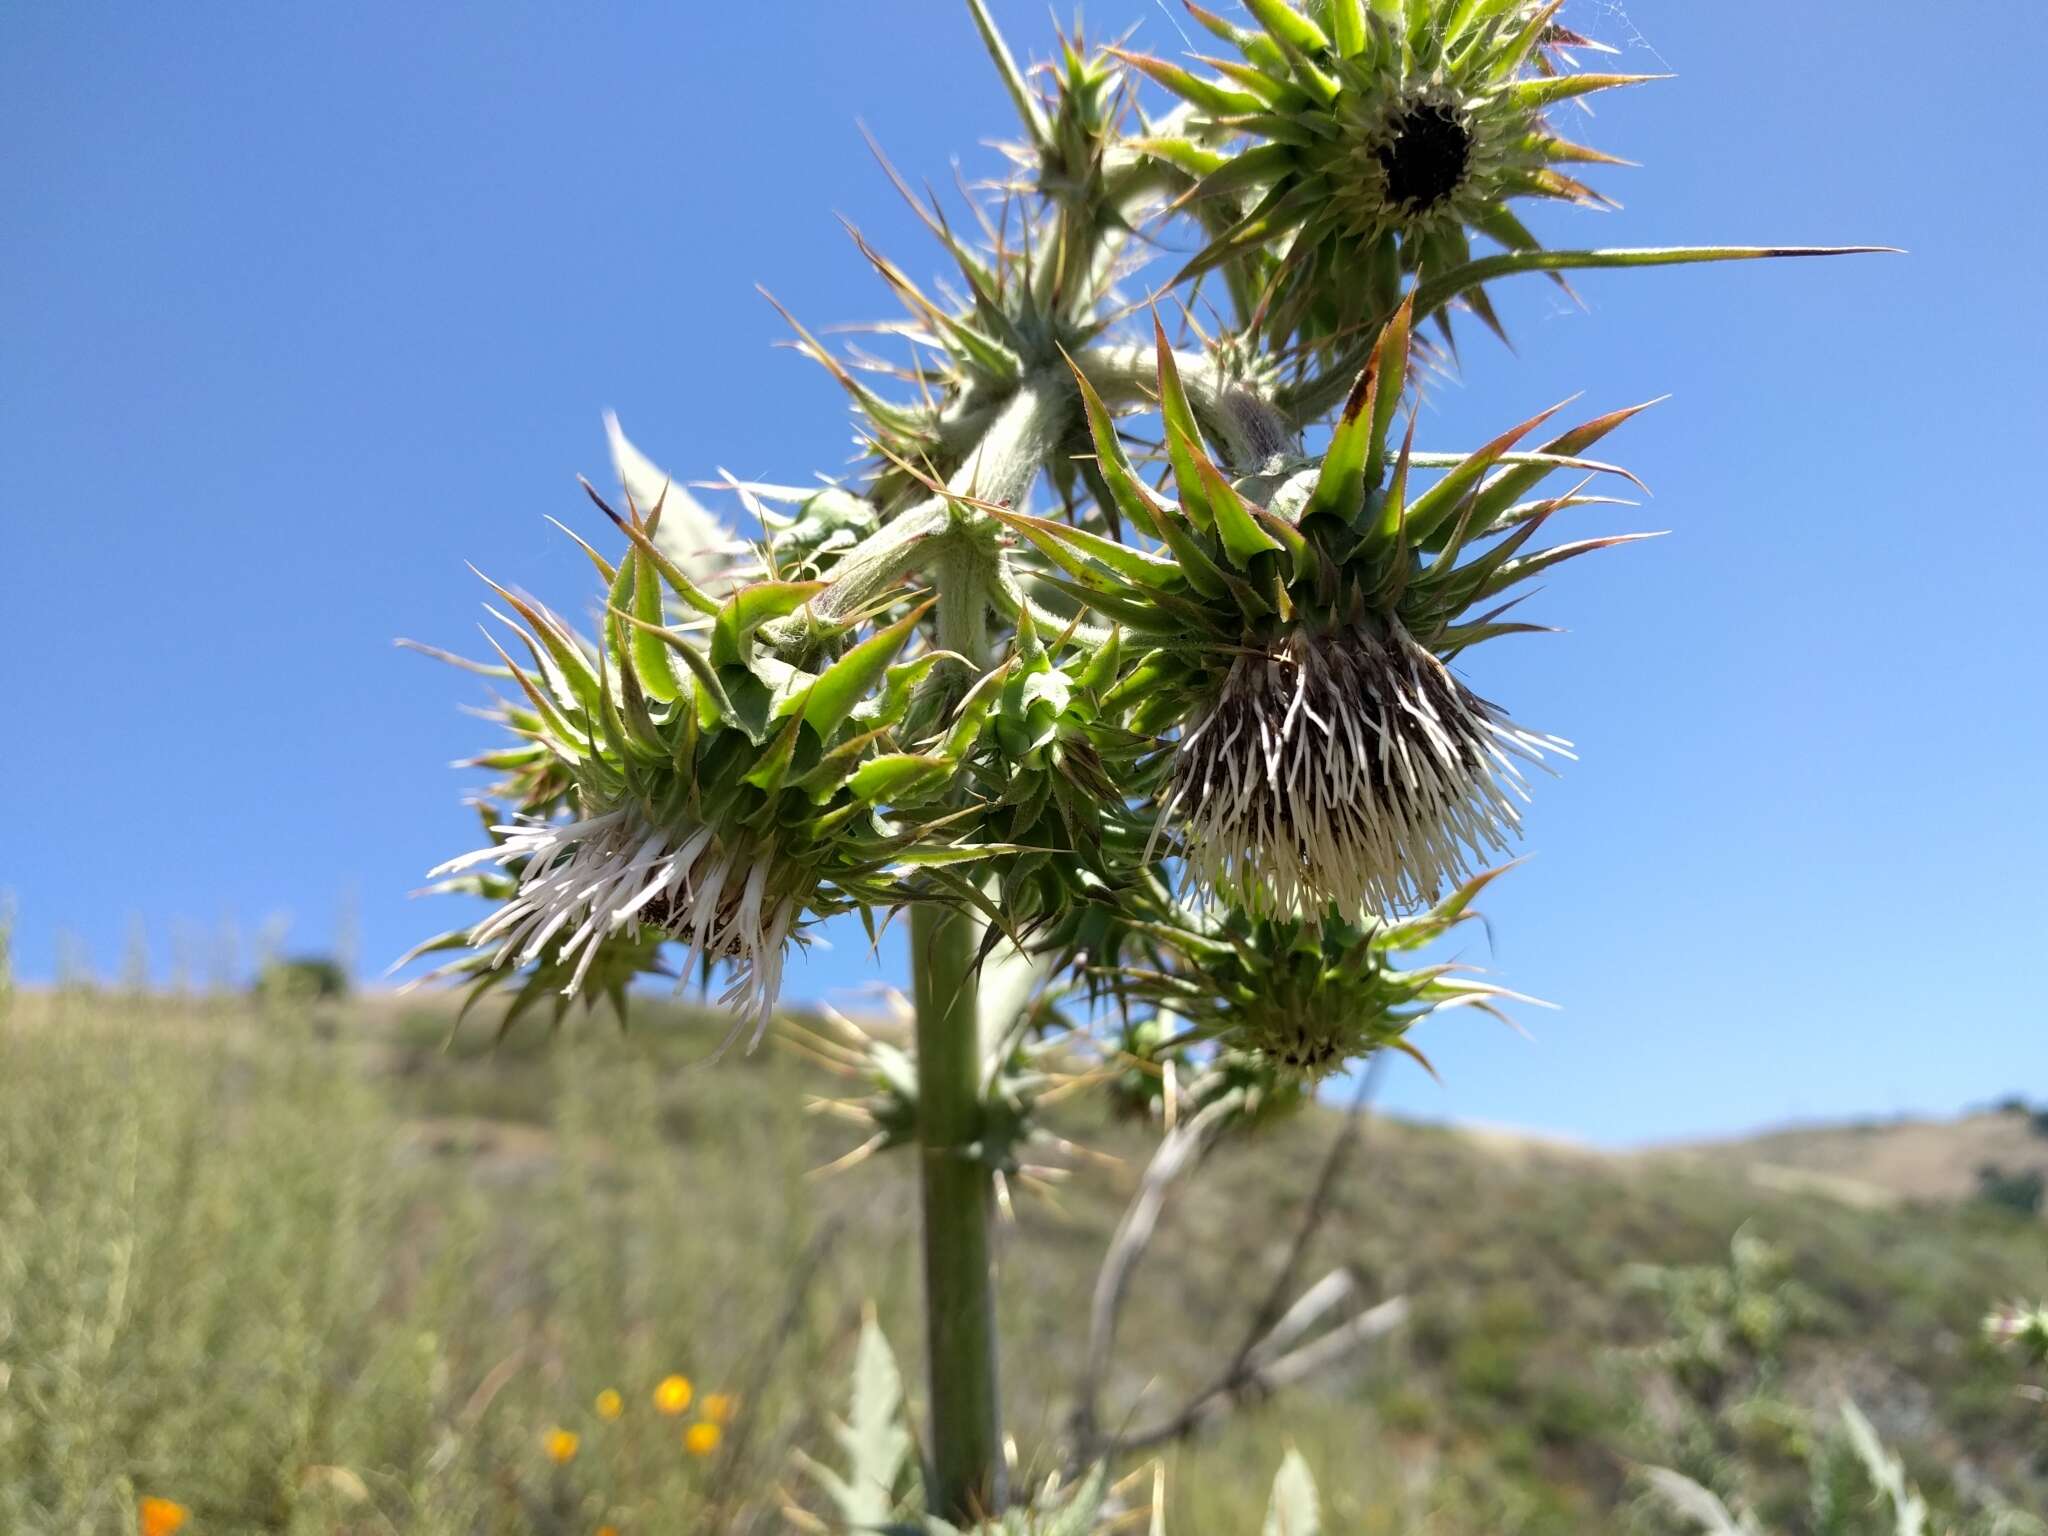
{"points": [[302, 1268]]}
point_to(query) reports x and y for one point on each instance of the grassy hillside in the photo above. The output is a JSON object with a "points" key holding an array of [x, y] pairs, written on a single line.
{"points": [[308, 1268]]}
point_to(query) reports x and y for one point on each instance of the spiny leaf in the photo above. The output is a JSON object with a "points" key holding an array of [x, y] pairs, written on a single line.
{"points": [[853, 676], [1183, 435], [1432, 294], [1012, 77], [1242, 537], [1341, 486], [1211, 96], [714, 703], [648, 662], [1555, 88], [751, 607], [1129, 492]]}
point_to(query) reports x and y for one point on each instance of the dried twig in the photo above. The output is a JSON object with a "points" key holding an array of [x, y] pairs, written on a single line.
{"points": [[1178, 1150], [1270, 1355]]}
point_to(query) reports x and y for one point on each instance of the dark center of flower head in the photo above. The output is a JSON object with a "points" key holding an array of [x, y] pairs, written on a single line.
{"points": [[1304, 1045], [1426, 157]]}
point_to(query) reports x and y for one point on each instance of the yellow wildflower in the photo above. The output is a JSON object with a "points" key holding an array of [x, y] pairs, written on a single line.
{"points": [[719, 1407], [561, 1445], [609, 1406], [702, 1438], [673, 1395], [160, 1517]]}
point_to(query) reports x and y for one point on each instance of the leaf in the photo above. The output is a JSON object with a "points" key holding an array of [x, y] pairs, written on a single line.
{"points": [[1078, 1515], [1390, 362], [1287, 25], [877, 1445], [648, 662], [1132, 564], [1013, 77], [1210, 95], [1295, 1510], [715, 704], [1243, 538], [568, 660], [1341, 486], [1436, 506], [751, 607], [1433, 294], [853, 676], [1547, 91], [1500, 492], [895, 776], [1128, 491], [1183, 436]]}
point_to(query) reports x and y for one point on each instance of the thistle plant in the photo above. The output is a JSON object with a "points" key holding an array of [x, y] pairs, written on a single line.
{"points": [[1153, 717]]}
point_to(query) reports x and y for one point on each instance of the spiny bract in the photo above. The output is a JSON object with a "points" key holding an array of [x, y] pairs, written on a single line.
{"points": [[1354, 142], [1299, 643]]}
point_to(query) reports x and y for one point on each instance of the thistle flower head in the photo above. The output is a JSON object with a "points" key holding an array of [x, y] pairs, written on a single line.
{"points": [[1296, 628], [1348, 768], [967, 348], [1017, 1075], [1304, 997], [1350, 143], [1052, 767], [715, 797]]}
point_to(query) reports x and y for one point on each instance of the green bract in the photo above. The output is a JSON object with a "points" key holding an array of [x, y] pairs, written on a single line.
{"points": [[1306, 996], [1051, 767], [1295, 627], [1357, 141], [681, 784]]}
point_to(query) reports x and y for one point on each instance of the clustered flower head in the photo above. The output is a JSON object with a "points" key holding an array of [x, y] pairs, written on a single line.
{"points": [[1304, 997], [1351, 143], [676, 784], [1295, 632]]}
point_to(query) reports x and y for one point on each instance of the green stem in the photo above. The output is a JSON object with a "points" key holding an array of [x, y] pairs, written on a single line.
{"points": [[959, 1198], [958, 1187]]}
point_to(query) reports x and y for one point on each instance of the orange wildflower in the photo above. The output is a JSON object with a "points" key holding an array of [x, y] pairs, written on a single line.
{"points": [[610, 1405], [719, 1407], [160, 1517], [561, 1445], [702, 1438]]}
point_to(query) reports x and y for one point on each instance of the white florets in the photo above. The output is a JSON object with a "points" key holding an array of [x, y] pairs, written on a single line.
{"points": [[1347, 769], [594, 877]]}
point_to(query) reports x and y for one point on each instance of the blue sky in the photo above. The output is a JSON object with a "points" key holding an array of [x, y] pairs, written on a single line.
{"points": [[302, 307]]}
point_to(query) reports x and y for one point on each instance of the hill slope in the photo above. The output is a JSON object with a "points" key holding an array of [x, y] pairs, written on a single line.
{"points": [[296, 1268]]}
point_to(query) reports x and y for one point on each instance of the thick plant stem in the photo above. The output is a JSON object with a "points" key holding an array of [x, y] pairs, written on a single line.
{"points": [[967, 1470], [959, 1198]]}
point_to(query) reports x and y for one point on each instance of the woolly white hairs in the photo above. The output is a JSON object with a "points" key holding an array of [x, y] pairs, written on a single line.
{"points": [[615, 871], [1347, 769]]}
